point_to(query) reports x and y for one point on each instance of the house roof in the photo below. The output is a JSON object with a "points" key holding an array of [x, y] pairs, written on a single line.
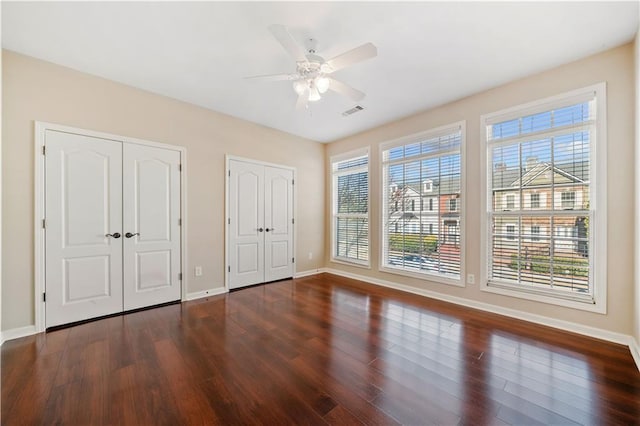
{"points": [[537, 175]]}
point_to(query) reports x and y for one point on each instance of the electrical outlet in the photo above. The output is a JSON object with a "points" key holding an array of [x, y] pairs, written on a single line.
{"points": [[310, 255], [471, 279], [198, 271]]}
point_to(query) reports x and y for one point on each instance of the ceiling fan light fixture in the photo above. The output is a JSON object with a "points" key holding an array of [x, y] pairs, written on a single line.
{"points": [[314, 95], [300, 86], [322, 83]]}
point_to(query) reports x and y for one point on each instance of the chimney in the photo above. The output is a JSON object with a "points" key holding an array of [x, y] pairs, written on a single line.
{"points": [[531, 163]]}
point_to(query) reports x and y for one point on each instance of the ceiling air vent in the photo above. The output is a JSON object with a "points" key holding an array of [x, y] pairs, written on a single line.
{"points": [[353, 110]]}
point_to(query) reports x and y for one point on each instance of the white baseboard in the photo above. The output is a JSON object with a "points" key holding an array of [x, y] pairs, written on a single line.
{"points": [[205, 293], [635, 351], [16, 333], [598, 333], [309, 272]]}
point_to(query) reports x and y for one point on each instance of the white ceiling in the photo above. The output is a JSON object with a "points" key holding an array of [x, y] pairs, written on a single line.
{"points": [[428, 53]]}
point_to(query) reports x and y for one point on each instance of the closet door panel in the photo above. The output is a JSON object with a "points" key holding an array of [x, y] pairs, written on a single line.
{"points": [[246, 224], [83, 210], [278, 210], [151, 181]]}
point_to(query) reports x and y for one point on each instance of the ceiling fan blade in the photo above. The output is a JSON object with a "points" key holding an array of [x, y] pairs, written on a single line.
{"points": [[303, 98], [274, 77], [361, 53], [281, 34], [344, 90]]}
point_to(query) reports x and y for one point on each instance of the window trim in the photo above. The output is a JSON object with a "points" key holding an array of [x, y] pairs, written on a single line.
{"points": [[336, 159], [416, 137], [597, 196]]}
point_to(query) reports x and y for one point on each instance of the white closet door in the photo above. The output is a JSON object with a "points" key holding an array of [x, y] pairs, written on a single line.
{"points": [[151, 232], [246, 227], [83, 203], [278, 215]]}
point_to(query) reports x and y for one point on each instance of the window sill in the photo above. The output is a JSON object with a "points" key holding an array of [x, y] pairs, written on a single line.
{"points": [[439, 279], [350, 263], [543, 297]]}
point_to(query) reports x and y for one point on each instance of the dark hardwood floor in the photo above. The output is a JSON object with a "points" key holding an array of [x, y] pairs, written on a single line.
{"points": [[317, 350]]}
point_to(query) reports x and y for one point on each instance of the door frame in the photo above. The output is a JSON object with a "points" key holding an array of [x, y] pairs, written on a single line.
{"points": [[227, 172], [40, 128]]}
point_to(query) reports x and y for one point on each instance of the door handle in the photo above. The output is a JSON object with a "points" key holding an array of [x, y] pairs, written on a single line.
{"points": [[129, 234], [114, 235], [270, 229], [261, 229]]}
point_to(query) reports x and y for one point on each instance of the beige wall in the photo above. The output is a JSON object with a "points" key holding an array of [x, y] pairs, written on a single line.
{"points": [[616, 67], [37, 90], [636, 257]]}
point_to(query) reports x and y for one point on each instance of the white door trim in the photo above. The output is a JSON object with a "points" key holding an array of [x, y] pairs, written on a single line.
{"points": [[40, 127], [228, 159]]}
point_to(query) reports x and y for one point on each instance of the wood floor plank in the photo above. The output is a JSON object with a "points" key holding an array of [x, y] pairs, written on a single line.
{"points": [[316, 350]]}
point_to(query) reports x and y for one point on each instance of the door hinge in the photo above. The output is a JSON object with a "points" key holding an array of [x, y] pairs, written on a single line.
{"points": [[179, 167], [44, 224], [44, 150], [293, 221], [229, 173], [229, 221], [229, 268], [179, 222], [293, 260], [293, 182], [180, 276], [44, 297]]}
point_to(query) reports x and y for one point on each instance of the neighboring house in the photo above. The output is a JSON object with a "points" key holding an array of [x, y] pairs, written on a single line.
{"points": [[544, 187], [429, 208]]}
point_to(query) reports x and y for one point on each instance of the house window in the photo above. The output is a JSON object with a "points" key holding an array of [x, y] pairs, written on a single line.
{"points": [[413, 205], [511, 201], [568, 200], [428, 162], [548, 146], [535, 200], [535, 233], [350, 205]]}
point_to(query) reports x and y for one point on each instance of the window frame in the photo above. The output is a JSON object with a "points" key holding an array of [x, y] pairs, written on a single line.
{"points": [[346, 156], [413, 138], [597, 197]]}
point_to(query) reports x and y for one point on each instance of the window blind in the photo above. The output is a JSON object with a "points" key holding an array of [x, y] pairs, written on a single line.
{"points": [[421, 204], [539, 186], [351, 209]]}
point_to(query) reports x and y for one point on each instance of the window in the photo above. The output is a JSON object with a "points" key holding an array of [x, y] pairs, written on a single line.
{"points": [[511, 201], [547, 149], [568, 200], [535, 233], [425, 242], [350, 224], [535, 200]]}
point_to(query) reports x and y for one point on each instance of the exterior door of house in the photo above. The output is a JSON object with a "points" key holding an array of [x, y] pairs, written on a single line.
{"points": [[112, 237], [260, 223]]}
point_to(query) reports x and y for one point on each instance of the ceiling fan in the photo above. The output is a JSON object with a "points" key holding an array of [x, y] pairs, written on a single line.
{"points": [[312, 77]]}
